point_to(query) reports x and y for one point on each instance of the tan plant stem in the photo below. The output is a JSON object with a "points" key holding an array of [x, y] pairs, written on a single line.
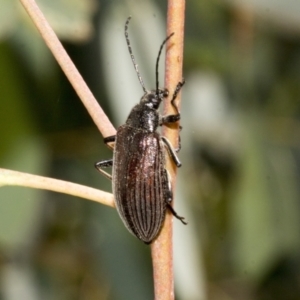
{"points": [[162, 247], [9, 177]]}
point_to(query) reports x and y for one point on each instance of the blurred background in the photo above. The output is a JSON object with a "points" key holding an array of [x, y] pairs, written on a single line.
{"points": [[240, 151]]}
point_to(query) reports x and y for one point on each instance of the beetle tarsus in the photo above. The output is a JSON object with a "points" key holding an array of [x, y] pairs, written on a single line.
{"points": [[174, 213], [104, 164], [109, 139]]}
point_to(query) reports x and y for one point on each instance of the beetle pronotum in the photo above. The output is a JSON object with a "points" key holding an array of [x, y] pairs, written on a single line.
{"points": [[140, 182]]}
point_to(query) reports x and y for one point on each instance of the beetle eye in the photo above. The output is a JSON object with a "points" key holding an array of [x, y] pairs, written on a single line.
{"points": [[161, 93]]}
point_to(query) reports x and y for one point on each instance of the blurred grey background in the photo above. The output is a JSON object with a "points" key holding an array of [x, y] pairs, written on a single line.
{"points": [[238, 186]]}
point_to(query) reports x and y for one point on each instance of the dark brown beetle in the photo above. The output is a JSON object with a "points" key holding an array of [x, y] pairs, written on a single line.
{"points": [[140, 182]]}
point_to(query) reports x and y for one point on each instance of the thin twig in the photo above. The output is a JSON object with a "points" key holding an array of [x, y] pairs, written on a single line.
{"points": [[162, 247], [79, 85], [9, 177]]}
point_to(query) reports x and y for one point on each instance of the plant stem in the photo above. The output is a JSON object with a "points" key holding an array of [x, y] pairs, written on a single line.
{"points": [[9, 177], [162, 247]]}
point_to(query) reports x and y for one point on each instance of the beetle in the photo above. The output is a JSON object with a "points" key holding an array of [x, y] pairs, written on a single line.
{"points": [[140, 181]]}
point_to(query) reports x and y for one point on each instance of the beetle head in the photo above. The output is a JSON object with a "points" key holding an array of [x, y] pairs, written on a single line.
{"points": [[153, 98]]}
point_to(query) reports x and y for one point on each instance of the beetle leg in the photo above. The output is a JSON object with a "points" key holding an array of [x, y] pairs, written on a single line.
{"points": [[180, 84], [175, 117], [171, 152], [104, 164], [174, 213], [169, 198], [179, 140], [109, 139]]}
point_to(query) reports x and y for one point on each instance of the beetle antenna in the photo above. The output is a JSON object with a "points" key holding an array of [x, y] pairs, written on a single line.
{"points": [[157, 61], [132, 57]]}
